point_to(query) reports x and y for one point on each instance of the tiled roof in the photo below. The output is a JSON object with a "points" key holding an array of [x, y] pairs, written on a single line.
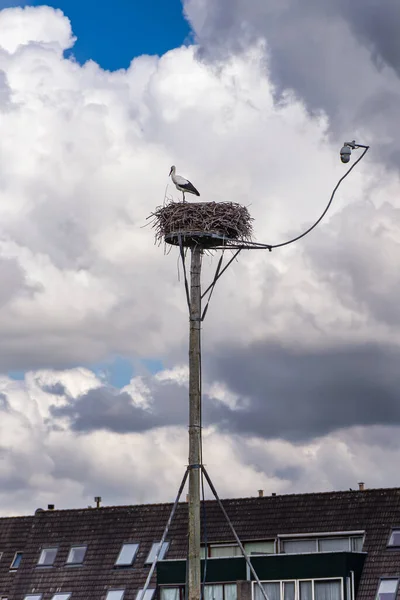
{"points": [[105, 529]]}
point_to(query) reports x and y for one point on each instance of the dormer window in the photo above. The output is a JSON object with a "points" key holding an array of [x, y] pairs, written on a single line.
{"points": [[76, 555], [126, 555], [148, 595], [321, 543], [394, 538], [387, 589], [47, 557], [153, 552], [16, 560], [115, 595]]}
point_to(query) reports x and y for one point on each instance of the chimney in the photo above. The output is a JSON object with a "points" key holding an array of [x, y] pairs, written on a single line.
{"points": [[273, 494], [260, 493], [361, 486], [50, 507], [97, 499]]}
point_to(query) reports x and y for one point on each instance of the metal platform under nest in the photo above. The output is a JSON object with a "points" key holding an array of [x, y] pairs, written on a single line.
{"points": [[205, 239], [209, 240]]}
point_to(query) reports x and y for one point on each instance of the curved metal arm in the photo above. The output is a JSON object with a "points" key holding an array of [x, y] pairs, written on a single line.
{"points": [[240, 245], [298, 237]]}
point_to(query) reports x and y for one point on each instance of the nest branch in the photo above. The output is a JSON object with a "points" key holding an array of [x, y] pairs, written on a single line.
{"points": [[226, 219]]}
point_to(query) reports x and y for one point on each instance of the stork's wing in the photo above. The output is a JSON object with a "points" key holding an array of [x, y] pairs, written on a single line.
{"points": [[189, 187], [181, 180]]}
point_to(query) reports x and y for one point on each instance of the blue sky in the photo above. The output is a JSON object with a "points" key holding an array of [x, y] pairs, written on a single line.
{"points": [[112, 37], [113, 33]]}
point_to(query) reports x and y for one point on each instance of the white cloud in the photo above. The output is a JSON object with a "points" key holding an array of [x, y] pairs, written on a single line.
{"points": [[41, 464], [40, 25], [84, 159]]}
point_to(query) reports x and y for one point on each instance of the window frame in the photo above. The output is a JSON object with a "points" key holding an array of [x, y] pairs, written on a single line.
{"points": [[297, 585], [12, 568], [149, 589], [44, 549], [223, 584], [206, 551], [54, 597], [160, 556], [317, 536], [309, 539], [126, 565], [179, 587], [211, 547], [393, 546], [123, 590], [270, 541], [34, 596], [330, 538], [388, 579], [76, 564]]}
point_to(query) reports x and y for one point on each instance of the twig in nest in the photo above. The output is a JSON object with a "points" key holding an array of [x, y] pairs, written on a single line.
{"points": [[227, 219]]}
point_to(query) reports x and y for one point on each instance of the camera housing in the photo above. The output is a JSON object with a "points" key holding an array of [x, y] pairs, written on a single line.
{"points": [[345, 154]]}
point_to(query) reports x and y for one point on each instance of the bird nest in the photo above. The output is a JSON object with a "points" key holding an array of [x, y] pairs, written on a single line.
{"points": [[201, 222]]}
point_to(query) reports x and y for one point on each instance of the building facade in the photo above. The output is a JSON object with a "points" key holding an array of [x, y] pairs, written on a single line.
{"points": [[323, 546]]}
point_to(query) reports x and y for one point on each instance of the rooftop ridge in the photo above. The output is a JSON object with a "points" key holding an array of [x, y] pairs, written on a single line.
{"points": [[241, 499]]}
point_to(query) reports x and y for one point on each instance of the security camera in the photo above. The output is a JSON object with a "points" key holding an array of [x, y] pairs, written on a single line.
{"points": [[345, 153]]}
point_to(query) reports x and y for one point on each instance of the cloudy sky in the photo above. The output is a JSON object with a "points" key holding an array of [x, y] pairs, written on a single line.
{"points": [[251, 99]]}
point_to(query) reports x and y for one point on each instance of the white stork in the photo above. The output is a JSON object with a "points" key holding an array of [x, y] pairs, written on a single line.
{"points": [[182, 184]]}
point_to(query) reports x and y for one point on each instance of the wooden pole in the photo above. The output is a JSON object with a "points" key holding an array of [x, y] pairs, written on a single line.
{"points": [[194, 573]]}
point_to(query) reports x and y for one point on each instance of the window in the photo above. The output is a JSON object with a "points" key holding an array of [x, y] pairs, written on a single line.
{"points": [[357, 543], [322, 544], [62, 596], [328, 590], [289, 590], [317, 589], [47, 557], [223, 551], [214, 592], [16, 560], [260, 547], [227, 591], [333, 545], [299, 546], [272, 589], [153, 552], [126, 555], [33, 597], [171, 593], [148, 595], [387, 589], [394, 539], [76, 555], [305, 589], [115, 595]]}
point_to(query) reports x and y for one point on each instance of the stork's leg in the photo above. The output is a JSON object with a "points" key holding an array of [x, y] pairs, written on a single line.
{"points": [[183, 195]]}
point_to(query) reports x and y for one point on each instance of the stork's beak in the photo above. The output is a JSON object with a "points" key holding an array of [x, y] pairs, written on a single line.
{"points": [[170, 172]]}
